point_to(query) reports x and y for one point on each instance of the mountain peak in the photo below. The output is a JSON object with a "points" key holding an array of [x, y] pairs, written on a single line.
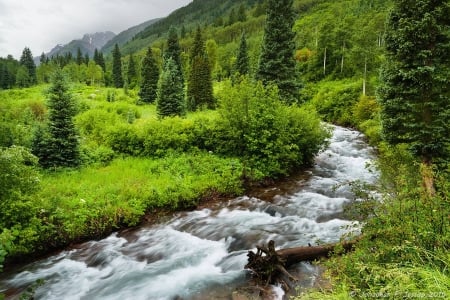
{"points": [[87, 44]]}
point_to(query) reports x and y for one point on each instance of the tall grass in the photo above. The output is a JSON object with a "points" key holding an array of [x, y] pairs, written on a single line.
{"points": [[73, 205]]}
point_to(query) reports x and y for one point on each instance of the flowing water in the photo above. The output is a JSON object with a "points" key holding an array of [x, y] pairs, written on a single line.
{"points": [[202, 254]]}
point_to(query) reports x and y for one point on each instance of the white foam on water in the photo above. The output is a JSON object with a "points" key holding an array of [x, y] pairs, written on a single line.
{"points": [[199, 250]]}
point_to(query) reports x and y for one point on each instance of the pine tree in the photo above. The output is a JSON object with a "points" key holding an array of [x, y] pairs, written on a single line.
{"points": [[95, 57], [174, 51], [199, 88], [149, 78], [27, 61], [276, 62], [86, 59], [79, 58], [132, 73], [170, 101], [42, 58], [415, 90], [242, 62], [58, 146], [117, 67], [99, 60]]}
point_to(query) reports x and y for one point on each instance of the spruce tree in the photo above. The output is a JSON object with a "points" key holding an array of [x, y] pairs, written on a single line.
{"points": [[199, 88], [242, 62], [174, 51], [79, 58], [42, 58], [149, 78], [99, 60], [26, 60], [132, 73], [58, 146], [117, 67], [276, 62], [170, 101], [96, 56], [415, 90]]}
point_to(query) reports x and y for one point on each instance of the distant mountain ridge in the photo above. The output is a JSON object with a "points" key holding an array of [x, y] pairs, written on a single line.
{"points": [[87, 44], [126, 35]]}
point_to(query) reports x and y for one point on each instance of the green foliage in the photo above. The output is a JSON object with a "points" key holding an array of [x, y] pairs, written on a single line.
{"points": [[79, 59], [271, 138], [23, 78], [57, 145], [335, 100], [345, 38], [242, 64], [132, 72], [149, 78], [99, 60], [276, 63], [415, 90], [94, 73], [20, 110], [8, 70], [174, 51], [170, 101], [27, 61], [117, 68], [18, 178], [199, 87]]}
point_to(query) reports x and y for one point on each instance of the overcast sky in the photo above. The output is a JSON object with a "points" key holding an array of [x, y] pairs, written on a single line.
{"points": [[42, 24]]}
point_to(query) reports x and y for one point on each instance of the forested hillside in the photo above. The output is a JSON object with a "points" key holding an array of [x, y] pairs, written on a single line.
{"points": [[222, 96]]}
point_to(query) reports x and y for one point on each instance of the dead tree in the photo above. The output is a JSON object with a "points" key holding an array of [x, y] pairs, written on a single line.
{"points": [[268, 266]]}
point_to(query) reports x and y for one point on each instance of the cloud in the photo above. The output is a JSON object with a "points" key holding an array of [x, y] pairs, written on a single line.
{"points": [[41, 24]]}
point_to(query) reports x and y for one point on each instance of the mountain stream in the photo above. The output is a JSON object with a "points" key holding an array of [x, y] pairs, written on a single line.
{"points": [[201, 254]]}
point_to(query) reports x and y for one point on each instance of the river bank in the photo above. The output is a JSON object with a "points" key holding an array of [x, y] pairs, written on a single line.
{"points": [[197, 253]]}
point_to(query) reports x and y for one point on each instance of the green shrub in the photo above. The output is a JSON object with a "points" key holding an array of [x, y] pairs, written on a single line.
{"points": [[271, 138], [92, 153], [162, 136], [94, 124], [334, 101], [365, 109], [18, 179]]}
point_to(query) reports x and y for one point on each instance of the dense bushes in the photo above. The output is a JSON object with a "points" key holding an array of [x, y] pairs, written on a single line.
{"points": [[334, 101], [252, 124], [271, 138], [18, 179]]}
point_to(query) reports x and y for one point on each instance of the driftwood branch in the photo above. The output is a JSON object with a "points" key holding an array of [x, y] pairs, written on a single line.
{"points": [[310, 253], [268, 266]]}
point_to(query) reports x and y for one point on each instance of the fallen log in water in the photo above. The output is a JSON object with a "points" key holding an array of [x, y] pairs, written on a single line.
{"points": [[268, 266], [295, 255]]}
